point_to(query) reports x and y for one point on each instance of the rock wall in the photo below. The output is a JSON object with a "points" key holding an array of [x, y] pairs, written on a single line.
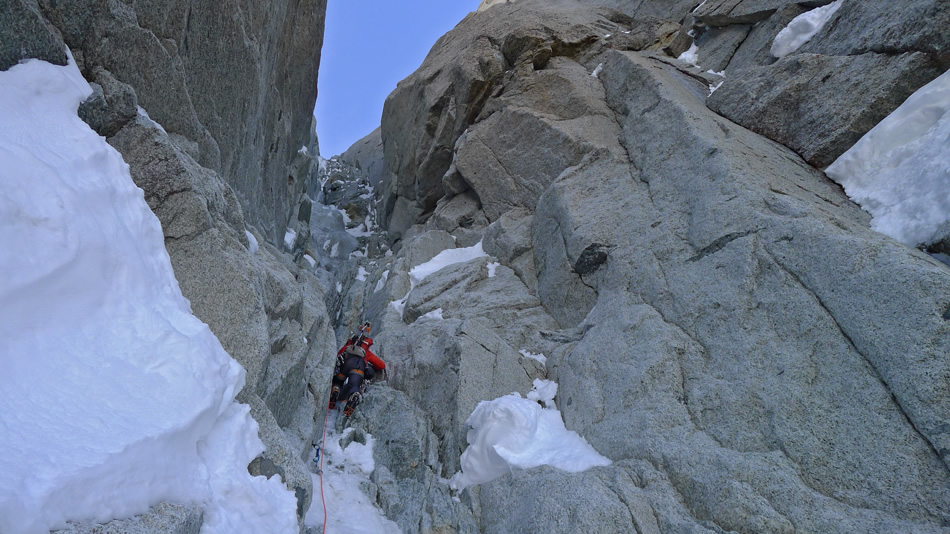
{"points": [[232, 83], [721, 320], [211, 105]]}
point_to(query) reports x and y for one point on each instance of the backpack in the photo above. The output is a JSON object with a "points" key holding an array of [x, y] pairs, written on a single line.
{"points": [[355, 348]]}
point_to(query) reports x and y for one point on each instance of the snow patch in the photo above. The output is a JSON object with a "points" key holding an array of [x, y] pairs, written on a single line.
{"points": [[345, 473], [544, 392], [443, 259], [290, 237], [512, 432], [900, 170], [252, 246], [802, 28], [539, 357], [434, 315], [113, 397], [597, 69], [400, 305], [382, 281], [361, 275], [310, 260], [491, 268]]}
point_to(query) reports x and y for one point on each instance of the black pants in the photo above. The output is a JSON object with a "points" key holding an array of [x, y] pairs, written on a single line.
{"points": [[351, 375]]}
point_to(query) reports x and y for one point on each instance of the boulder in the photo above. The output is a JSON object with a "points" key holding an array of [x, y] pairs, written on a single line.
{"points": [[862, 27], [466, 290], [509, 240], [755, 50], [428, 112], [112, 105], [461, 216], [717, 46], [794, 101], [559, 111]]}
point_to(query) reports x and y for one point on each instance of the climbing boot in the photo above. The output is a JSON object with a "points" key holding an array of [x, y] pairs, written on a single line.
{"points": [[352, 403], [334, 395]]}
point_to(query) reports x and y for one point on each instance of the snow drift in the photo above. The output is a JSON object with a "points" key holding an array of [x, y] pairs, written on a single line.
{"points": [[113, 396], [513, 432]]}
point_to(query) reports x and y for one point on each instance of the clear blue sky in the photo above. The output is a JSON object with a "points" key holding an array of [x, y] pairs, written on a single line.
{"points": [[368, 47]]}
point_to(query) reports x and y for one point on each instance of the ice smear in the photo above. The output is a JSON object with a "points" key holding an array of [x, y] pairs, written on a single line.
{"points": [[511, 432], [900, 170], [802, 28], [113, 397], [252, 246], [382, 281], [290, 237]]}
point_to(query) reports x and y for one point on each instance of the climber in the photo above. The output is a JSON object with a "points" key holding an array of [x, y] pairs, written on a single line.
{"points": [[352, 369]]}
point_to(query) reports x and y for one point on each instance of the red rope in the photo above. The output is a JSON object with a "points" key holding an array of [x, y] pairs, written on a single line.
{"points": [[323, 451]]}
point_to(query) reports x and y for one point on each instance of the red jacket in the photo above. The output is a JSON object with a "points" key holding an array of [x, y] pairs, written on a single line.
{"points": [[371, 358]]}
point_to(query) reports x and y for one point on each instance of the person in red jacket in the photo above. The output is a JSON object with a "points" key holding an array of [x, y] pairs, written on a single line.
{"points": [[352, 369]]}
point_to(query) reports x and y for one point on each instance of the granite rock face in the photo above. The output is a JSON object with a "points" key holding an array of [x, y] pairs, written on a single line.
{"points": [[243, 99], [424, 118], [26, 34], [866, 50], [720, 319]]}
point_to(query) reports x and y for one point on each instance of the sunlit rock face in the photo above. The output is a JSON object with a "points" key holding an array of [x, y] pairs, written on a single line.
{"points": [[722, 320]]}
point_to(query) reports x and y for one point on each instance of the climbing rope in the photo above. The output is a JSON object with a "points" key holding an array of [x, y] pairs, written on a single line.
{"points": [[320, 451]]}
